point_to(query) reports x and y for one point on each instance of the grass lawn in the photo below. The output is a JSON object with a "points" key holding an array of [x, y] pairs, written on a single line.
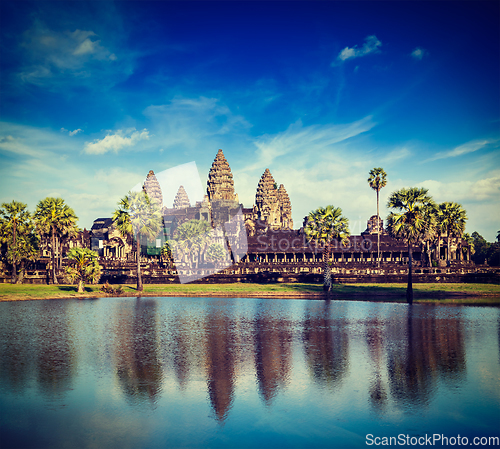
{"points": [[424, 293]]}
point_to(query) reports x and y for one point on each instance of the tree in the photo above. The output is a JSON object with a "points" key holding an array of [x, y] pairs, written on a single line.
{"points": [[377, 180], [52, 217], [192, 238], [83, 268], [216, 253], [17, 233], [137, 215], [410, 223], [451, 219], [323, 226], [498, 236]]}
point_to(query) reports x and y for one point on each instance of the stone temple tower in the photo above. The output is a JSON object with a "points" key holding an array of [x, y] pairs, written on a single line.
{"points": [[272, 204], [181, 200], [220, 184], [285, 207], [152, 188], [223, 200]]}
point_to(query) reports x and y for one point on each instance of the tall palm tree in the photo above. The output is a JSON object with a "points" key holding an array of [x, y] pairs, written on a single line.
{"points": [[377, 180], [452, 218], [83, 268], [410, 223], [52, 215], [15, 229], [137, 215], [323, 226]]}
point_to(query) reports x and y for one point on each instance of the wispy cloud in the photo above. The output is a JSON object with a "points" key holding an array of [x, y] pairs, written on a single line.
{"points": [[419, 53], [298, 139], [115, 142], [53, 58], [371, 45], [71, 133], [466, 148]]}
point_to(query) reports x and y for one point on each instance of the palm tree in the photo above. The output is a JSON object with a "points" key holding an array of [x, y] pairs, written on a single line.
{"points": [[137, 215], [431, 233], [377, 180], [323, 226], [192, 237], [52, 215], [16, 231], [410, 223], [83, 268], [216, 253], [451, 218]]}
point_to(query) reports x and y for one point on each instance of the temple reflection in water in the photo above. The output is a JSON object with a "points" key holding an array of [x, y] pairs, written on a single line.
{"points": [[242, 360]]}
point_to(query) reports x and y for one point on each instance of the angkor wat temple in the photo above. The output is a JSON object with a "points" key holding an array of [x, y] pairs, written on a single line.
{"points": [[274, 250]]}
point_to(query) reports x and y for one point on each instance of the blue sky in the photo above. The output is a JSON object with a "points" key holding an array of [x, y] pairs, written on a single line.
{"points": [[93, 95]]}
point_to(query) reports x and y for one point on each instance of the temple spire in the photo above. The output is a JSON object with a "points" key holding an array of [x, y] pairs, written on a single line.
{"points": [[220, 184]]}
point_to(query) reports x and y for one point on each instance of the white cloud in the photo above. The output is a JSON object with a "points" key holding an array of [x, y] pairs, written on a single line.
{"points": [[371, 45], [469, 147], [115, 142], [71, 133], [419, 53]]}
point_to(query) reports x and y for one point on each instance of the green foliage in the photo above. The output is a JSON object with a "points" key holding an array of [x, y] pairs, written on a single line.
{"points": [[377, 179], [54, 220], [216, 253], [106, 288], [137, 215], [17, 235], [323, 226], [412, 221], [485, 251], [191, 239], [83, 267]]}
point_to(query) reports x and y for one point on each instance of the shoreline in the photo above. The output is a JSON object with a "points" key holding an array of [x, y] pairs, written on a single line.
{"points": [[445, 294]]}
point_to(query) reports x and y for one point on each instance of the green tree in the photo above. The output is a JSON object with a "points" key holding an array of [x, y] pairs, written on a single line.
{"points": [[377, 180], [410, 222], [137, 215], [216, 253], [83, 267], [17, 233], [323, 226], [451, 220], [52, 217], [192, 238]]}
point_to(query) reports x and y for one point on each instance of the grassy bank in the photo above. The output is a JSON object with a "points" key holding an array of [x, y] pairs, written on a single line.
{"points": [[424, 293]]}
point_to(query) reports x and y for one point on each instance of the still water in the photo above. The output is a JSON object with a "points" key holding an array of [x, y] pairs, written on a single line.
{"points": [[244, 373]]}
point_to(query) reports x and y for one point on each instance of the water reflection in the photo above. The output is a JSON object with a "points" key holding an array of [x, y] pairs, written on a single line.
{"points": [[326, 342], [221, 354], [211, 350], [273, 347], [424, 348], [137, 364]]}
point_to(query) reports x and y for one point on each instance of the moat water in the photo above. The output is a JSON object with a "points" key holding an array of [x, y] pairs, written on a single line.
{"points": [[245, 373]]}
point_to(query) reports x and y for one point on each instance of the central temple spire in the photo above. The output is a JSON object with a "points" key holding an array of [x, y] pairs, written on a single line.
{"points": [[220, 184]]}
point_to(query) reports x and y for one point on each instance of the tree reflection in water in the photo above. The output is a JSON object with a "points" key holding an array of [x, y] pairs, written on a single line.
{"points": [[326, 343], [427, 348]]}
